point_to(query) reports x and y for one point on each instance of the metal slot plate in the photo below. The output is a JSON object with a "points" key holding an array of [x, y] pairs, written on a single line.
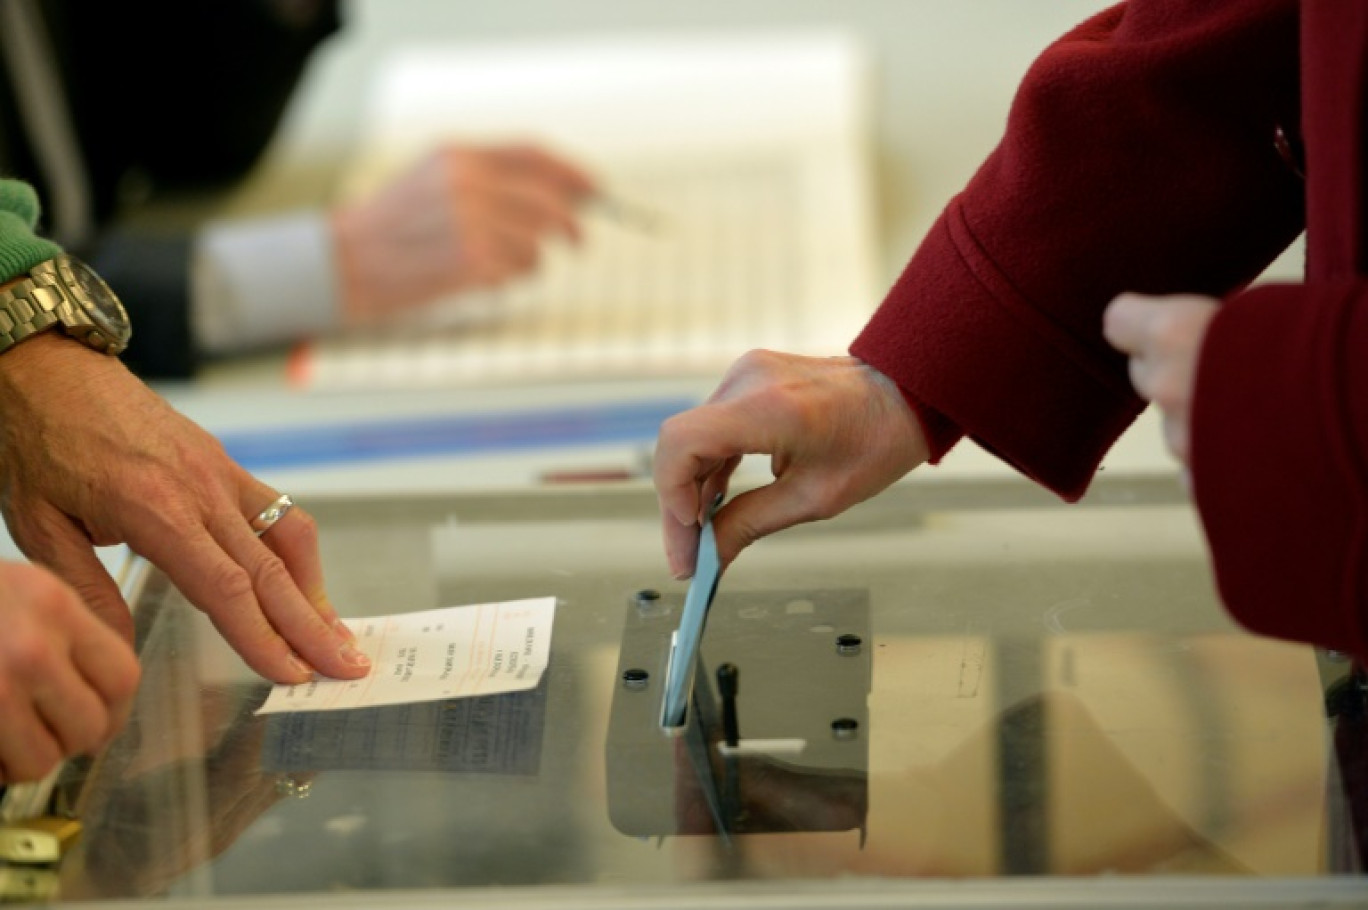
{"points": [[797, 688]]}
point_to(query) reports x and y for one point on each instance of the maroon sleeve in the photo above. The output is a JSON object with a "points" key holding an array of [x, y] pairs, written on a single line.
{"points": [[1280, 459], [1139, 155]]}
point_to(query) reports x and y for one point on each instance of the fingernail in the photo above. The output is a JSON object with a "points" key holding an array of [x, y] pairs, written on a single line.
{"points": [[302, 668], [683, 575], [353, 656], [344, 630]]}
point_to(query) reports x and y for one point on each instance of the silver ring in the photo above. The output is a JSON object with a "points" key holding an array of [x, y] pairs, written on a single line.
{"points": [[272, 513]]}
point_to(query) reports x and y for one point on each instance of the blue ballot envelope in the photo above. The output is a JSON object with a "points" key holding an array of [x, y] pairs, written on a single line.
{"points": [[684, 650]]}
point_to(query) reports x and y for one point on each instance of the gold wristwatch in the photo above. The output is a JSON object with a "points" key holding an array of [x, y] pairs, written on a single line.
{"points": [[64, 292]]}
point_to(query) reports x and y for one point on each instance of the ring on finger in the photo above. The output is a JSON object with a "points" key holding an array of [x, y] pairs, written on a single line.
{"points": [[272, 514]]}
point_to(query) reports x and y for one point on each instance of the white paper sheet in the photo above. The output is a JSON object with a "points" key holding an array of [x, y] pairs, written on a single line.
{"points": [[481, 649]]}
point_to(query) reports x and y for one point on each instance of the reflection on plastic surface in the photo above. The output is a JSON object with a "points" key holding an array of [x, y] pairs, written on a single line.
{"points": [[491, 734]]}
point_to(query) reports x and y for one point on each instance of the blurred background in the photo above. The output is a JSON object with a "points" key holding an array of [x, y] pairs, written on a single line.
{"points": [[941, 77]]}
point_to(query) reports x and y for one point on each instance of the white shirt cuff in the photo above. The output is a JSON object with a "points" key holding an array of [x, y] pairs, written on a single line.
{"points": [[257, 282]]}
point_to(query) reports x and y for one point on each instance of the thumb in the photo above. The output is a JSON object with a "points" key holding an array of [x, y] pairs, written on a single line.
{"points": [[66, 550]]}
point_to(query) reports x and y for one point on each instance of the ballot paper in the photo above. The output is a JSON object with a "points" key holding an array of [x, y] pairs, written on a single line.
{"points": [[480, 649]]}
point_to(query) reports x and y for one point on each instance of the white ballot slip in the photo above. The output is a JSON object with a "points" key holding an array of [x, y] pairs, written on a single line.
{"points": [[481, 649]]}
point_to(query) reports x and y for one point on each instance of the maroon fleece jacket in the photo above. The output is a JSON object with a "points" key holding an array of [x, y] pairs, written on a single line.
{"points": [[1169, 146]]}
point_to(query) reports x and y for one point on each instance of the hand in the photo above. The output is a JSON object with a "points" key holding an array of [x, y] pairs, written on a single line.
{"points": [[837, 432], [462, 218], [91, 456], [1163, 338], [66, 680]]}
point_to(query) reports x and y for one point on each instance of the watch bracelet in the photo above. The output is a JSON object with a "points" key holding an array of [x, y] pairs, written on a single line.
{"points": [[25, 309]]}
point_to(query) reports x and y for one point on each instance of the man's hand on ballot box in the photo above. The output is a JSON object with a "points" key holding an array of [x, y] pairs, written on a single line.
{"points": [[90, 456]]}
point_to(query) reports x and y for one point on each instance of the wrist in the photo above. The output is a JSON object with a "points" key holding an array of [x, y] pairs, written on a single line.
{"points": [[47, 355]]}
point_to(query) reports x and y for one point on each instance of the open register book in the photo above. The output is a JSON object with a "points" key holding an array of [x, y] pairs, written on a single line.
{"points": [[739, 208]]}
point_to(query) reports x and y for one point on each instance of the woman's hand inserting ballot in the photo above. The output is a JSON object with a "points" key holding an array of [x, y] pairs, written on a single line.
{"points": [[836, 431], [90, 456]]}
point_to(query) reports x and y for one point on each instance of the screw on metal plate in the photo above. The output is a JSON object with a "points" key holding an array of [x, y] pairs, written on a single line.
{"points": [[649, 602], [845, 727]]}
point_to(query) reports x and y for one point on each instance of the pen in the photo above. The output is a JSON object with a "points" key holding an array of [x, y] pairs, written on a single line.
{"points": [[627, 212]]}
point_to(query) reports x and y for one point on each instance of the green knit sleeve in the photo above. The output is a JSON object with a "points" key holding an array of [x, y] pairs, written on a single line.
{"points": [[20, 248]]}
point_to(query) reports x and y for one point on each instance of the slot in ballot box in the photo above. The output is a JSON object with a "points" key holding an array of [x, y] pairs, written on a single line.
{"points": [[1051, 709]]}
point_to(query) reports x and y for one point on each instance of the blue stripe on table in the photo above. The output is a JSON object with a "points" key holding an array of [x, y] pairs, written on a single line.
{"points": [[467, 434]]}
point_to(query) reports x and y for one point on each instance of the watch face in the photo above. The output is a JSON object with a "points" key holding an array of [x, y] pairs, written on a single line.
{"points": [[100, 303]]}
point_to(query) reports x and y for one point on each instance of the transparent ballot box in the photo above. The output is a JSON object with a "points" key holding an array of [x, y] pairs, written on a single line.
{"points": [[953, 695]]}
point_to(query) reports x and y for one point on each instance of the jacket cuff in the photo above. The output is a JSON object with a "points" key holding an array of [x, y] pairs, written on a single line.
{"points": [[955, 335]]}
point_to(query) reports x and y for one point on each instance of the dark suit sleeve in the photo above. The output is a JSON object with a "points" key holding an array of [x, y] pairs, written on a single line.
{"points": [[191, 114], [182, 95], [151, 274]]}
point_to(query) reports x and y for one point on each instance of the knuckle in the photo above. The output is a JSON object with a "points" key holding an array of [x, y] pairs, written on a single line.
{"points": [[159, 502], [754, 360], [123, 684], [672, 426], [231, 581], [86, 736], [676, 432], [271, 574], [29, 656]]}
